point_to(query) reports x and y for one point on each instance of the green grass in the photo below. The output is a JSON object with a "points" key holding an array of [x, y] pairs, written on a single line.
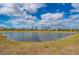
{"points": [[69, 45]]}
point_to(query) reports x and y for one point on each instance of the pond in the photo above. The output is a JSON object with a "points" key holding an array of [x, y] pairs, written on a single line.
{"points": [[35, 36]]}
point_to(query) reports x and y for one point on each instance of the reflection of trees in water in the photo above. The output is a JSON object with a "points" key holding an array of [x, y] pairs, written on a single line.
{"points": [[35, 36]]}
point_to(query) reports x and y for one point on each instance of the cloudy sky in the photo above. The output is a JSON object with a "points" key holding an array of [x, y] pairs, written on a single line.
{"points": [[40, 15]]}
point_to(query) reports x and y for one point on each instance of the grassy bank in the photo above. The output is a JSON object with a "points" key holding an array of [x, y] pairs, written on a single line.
{"points": [[68, 45]]}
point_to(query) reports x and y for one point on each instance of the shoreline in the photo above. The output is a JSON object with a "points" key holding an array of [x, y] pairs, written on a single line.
{"points": [[66, 46], [34, 31]]}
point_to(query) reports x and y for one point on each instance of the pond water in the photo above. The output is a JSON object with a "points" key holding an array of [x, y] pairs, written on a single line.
{"points": [[35, 36]]}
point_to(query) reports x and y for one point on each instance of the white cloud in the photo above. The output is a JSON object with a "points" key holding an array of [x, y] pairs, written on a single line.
{"points": [[17, 9], [52, 20], [33, 7], [49, 19], [11, 9], [76, 7], [74, 17], [7, 11], [23, 22], [59, 21], [52, 16], [75, 10], [72, 21], [20, 12]]}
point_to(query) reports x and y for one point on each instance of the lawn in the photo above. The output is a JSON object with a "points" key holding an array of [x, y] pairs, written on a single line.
{"points": [[67, 46]]}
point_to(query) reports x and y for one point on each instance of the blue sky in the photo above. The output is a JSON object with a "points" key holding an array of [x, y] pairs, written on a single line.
{"points": [[40, 15], [53, 8]]}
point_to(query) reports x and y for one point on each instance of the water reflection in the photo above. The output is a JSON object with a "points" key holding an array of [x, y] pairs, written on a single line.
{"points": [[35, 36]]}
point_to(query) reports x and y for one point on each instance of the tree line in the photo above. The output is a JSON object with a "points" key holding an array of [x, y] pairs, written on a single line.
{"points": [[59, 29]]}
